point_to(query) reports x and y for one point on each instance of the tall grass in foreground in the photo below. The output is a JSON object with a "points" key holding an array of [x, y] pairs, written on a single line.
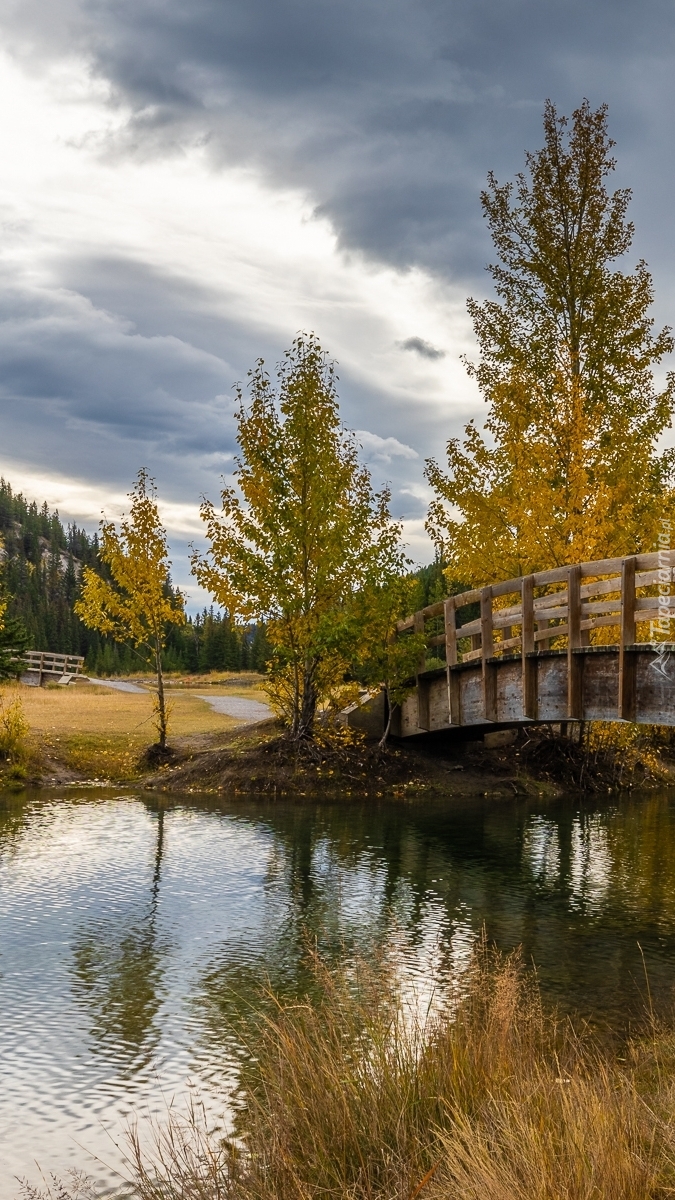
{"points": [[351, 1097]]}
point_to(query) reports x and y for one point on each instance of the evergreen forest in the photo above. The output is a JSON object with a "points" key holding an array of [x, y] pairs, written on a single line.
{"points": [[42, 562]]}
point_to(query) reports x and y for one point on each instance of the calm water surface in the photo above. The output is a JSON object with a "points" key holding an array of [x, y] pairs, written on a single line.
{"points": [[133, 933]]}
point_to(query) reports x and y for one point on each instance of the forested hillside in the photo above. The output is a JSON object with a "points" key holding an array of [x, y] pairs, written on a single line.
{"points": [[42, 561]]}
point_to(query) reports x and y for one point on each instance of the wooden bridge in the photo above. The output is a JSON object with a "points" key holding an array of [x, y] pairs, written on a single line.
{"points": [[577, 643], [41, 666]]}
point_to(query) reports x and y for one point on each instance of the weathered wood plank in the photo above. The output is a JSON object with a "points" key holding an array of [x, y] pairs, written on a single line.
{"points": [[575, 662], [647, 562], [422, 689], [555, 575], [603, 566], [487, 647], [544, 636], [528, 662], [600, 606], [450, 621], [627, 637], [419, 628], [600, 622], [472, 655]]}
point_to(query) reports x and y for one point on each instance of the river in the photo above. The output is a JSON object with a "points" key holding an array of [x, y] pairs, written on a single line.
{"points": [[134, 930]]}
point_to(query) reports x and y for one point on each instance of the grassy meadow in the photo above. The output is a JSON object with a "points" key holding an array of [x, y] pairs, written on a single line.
{"points": [[100, 733]]}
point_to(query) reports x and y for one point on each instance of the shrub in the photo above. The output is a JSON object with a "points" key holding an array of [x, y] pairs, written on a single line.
{"points": [[14, 730]]}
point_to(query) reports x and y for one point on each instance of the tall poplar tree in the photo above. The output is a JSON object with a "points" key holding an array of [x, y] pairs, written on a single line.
{"points": [[569, 469], [302, 534], [136, 604]]}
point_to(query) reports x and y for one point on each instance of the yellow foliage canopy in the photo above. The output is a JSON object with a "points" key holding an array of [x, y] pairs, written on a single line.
{"points": [[137, 605], [304, 532], [569, 470]]}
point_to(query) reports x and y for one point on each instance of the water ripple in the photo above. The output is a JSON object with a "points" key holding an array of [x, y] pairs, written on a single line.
{"points": [[135, 931]]}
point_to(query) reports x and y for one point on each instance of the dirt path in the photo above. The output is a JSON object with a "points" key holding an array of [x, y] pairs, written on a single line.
{"points": [[244, 710], [118, 685]]}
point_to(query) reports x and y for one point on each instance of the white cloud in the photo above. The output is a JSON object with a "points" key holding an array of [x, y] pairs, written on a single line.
{"points": [[256, 257], [416, 540], [383, 449], [85, 503]]}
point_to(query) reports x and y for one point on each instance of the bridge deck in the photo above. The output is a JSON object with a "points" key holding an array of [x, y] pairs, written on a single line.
{"points": [[575, 643]]}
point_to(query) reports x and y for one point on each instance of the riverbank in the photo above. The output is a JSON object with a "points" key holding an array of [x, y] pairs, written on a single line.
{"points": [[100, 731], [260, 760], [542, 761], [96, 733]]}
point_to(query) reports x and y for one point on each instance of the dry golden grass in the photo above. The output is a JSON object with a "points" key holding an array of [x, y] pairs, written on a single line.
{"points": [[101, 733], [349, 1098]]}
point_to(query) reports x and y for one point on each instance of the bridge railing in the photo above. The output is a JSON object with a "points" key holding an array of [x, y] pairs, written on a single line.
{"points": [[554, 605], [43, 663]]}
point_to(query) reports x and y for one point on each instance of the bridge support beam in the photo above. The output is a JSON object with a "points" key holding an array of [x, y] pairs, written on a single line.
{"points": [[454, 706], [422, 686], [627, 662], [575, 662], [529, 662], [489, 667]]}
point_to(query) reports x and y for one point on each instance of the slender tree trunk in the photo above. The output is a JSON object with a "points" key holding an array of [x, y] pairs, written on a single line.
{"points": [[305, 724], [383, 740], [296, 700], [161, 706]]}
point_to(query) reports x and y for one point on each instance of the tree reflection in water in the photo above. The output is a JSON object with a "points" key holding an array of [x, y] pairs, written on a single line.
{"points": [[117, 971], [583, 888]]}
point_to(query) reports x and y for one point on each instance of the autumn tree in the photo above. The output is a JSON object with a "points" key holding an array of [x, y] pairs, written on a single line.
{"points": [[302, 533], [137, 603], [569, 469]]}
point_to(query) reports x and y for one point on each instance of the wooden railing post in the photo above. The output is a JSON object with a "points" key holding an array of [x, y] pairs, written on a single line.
{"points": [[487, 654], [627, 638], [575, 662], [529, 663], [422, 685], [450, 617]]}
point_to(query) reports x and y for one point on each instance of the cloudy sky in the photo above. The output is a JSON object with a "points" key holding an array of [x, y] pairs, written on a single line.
{"points": [[187, 183]]}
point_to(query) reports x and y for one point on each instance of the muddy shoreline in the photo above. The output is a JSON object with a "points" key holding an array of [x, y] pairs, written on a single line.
{"points": [[257, 759]]}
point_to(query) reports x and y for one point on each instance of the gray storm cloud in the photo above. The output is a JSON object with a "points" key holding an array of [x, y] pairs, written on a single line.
{"points": [[386, 114], [389, 111], [422, 347]]}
